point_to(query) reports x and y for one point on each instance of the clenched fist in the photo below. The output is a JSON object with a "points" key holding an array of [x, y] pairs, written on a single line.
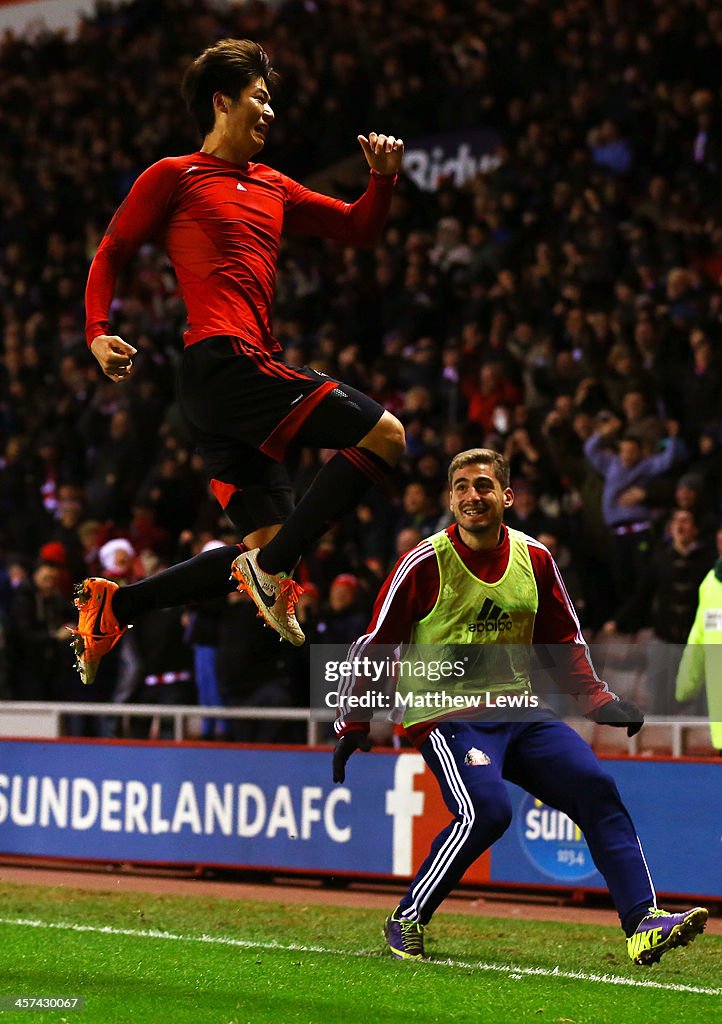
{"points": [[114, 355]]}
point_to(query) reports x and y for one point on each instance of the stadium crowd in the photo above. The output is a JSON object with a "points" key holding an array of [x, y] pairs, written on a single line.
{"points": [[565, 308]]}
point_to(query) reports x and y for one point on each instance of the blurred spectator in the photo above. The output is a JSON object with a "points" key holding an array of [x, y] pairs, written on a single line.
{"points": [[701, 387], [490, 402], [115, 455], [144, 533], [707, 464], [40, 617], [120, 671], [524, 456], [252, 670], [325, 562], [625, 474], [569, 568], [666, 601], [344, 618], [640, 422], [69, 514], [202, 632], [90, 533], [167, 668], [16, 573], [418, 511], [55, 553], [525, 514], [408, 538], [119, 562], [689, 496], [609, 149]]}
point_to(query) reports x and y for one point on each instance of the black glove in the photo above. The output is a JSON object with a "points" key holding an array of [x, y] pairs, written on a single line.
{"points": [[357, 739], [620, 713]]}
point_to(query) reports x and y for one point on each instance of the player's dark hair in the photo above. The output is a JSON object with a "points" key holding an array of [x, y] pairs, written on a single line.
{"points": [[486, 457], [228, 67]]}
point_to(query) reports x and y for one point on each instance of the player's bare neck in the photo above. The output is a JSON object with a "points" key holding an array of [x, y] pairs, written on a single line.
{"points": [[218, 146], [483, 541]]}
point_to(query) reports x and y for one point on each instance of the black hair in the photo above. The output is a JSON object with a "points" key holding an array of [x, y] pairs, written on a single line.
{"points": [[227, 67]]}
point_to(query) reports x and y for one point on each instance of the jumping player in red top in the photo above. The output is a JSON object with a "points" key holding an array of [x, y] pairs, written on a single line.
{"points": [[220, 216], [459, 586]]}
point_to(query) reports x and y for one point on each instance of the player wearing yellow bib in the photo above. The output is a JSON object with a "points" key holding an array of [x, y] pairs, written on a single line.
{"points": [[497, 617], [702, 657], [493, 589]]}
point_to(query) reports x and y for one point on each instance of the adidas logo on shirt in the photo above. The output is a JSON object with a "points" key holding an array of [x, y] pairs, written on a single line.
{"points": [[491, 619]]}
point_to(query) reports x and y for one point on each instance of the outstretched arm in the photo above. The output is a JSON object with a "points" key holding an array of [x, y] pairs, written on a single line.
{"points": [[359, 223], [595, 449]]}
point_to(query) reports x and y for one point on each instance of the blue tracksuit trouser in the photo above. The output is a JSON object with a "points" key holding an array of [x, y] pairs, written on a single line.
{"points": [[548, 759]]}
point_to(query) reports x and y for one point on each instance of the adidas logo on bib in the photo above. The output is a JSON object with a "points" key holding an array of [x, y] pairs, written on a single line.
{"points": [[491, 619]]}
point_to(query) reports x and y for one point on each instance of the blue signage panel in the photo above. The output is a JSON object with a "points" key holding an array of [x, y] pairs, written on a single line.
{"points": [[194, 805], [677, 810], [278, 808]]}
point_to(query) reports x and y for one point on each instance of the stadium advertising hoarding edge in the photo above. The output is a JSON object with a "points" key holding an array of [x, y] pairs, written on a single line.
{"points": [[279, 809]]}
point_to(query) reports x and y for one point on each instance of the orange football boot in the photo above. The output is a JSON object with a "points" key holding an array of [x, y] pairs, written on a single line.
{"points": [[98, 629]]}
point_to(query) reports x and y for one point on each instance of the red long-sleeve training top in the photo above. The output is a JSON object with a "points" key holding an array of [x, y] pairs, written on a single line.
{"points": [[411, 590], [221, 225]]}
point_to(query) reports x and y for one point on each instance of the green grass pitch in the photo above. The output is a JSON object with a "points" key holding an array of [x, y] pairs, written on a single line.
{"points": [[182, 960]]}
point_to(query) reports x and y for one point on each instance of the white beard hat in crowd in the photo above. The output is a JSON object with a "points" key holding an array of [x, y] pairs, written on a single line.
{"points": [[109, 552]]}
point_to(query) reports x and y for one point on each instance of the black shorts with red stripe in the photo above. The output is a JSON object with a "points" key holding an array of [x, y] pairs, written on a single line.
{"points": [[245, 409]]}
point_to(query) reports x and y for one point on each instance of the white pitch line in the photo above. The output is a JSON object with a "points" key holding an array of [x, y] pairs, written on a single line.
{"points": [[294, 947]]}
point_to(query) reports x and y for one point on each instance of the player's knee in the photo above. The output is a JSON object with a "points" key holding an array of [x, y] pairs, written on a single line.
{"points": [[390, 438], [492, 819], [399, 438]]}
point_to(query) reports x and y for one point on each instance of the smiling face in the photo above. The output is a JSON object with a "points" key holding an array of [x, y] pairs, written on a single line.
{"points": [[477, 502], [241, 125]]}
